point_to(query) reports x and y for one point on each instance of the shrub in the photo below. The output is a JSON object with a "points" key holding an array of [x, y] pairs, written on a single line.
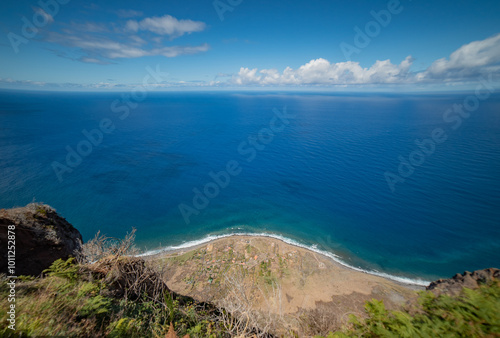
{"points": [[116, 296], [474, 313], [65, 269]]}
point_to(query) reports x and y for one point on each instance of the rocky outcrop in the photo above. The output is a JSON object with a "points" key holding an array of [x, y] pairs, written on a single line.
{"points": [[470, 280], [41, 237]]}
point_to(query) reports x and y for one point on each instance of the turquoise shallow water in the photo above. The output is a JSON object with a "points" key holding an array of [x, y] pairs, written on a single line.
{"points": [[317, 180]]}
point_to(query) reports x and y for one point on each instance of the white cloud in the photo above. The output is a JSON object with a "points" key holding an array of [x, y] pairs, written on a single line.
{"points": [[98, 43], [322, 72], [470, 60], [137, 40], [128, 13], [89, 27], [90, 60], [47, 18], [465, 64], [174, 51], [132, 25], [22, 82], [166, 25], [98, 48]]}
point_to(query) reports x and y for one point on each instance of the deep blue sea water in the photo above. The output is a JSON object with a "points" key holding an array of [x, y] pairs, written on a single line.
{"points": [[318, 181]]}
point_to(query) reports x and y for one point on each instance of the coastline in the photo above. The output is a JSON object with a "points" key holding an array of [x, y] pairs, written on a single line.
{"points": [[336, 260], [275, 276]]}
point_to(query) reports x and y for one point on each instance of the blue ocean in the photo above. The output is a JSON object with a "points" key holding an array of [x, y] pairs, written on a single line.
{"points": [[405, 185]]}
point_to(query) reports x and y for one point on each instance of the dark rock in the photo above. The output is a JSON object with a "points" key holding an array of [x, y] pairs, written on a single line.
{"points": [[454, 285], [41, 237]]}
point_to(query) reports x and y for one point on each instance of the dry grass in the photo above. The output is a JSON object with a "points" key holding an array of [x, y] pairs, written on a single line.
{"points": [[132, 298], [242, 312], [52, 306], [107, 293], [128, 278], [318, 322], [102, 247], [254, 310]]}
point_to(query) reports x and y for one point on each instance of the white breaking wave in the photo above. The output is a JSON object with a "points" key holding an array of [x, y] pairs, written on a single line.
{"points": [[313, 248]]}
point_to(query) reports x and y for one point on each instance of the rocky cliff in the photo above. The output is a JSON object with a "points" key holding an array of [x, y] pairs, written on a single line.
{"points": [[470, 280], [41, 237]]}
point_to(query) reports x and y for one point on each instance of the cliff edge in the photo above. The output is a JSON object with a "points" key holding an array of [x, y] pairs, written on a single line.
{"points": [[470, 280], [41, 237]]}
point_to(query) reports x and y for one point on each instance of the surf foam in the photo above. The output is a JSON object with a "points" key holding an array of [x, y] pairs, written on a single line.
{"points": [[314, 248]]}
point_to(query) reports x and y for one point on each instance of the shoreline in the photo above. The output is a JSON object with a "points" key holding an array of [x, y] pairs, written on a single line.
{"points": [[211, 239]]}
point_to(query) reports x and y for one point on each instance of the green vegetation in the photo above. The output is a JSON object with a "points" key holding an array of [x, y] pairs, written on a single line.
{"points": [[266, 273], [66, 269], [474, 313], [104, 292], [40, 211], [73, 301], [107, 292], [185, 257]]}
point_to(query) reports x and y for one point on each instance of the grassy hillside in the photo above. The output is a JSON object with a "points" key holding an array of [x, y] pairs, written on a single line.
{"points": [[473, 313], [106, 292], [72, 300]]}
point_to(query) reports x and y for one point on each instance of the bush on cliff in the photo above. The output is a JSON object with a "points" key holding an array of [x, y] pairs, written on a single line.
{"points": [[473, 313], [116, 296], [107, 292]]}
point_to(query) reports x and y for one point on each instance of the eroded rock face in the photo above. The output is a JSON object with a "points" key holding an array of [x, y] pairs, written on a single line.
{"points": [[470, 280], [41, 237]]}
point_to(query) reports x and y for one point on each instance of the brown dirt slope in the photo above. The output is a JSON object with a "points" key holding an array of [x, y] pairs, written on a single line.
{"points": [[276, 277]]}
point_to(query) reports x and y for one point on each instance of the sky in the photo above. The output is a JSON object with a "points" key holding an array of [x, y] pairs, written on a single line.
{"points": [[333, 45]]}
